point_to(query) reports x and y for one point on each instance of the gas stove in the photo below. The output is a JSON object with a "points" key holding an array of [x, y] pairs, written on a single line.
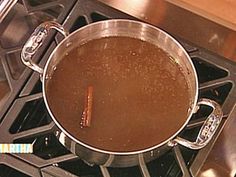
{"points": [[24, 117]]}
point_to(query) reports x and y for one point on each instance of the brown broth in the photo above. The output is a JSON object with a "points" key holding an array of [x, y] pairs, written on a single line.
{"points": [[140, 95]]}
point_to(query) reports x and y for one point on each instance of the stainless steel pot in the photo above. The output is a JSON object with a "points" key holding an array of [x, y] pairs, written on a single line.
{"points": [[131, 29]]}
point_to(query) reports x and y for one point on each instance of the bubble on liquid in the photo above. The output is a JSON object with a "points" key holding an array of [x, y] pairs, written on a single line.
{"points": [[48, 77], [68, 44], [105, 46]]}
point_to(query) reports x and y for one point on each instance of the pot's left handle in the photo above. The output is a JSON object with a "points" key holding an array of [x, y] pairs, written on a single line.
{"points": [[36, 40], [208, 128]]}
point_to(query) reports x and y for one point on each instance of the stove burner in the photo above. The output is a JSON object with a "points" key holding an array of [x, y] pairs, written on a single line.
{"points": [[27, 120]]}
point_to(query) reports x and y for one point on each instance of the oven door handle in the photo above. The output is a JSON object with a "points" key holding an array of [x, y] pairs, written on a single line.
{"points": [[36, 40], [208, 128]]}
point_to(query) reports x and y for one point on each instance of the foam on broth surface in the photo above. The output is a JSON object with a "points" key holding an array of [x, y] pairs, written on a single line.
{"points": [[140, 96]]}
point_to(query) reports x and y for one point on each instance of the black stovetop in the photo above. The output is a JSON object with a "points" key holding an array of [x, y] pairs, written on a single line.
{"points": [[24, 118]]}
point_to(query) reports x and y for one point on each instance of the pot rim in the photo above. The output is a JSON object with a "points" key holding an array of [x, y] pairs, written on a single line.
{"points": [[192, 104]]}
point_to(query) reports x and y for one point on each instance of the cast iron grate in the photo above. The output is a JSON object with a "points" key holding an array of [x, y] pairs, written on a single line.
{"points": [[45, 145], [207, 72], [15, 65], [125, 172], [78, 167], [79, 22], [23, 18], [37, 88], [29, 118], [34, 3], [219, 94], [98, 17], [166, 165], [50, 158], [11, 172]]}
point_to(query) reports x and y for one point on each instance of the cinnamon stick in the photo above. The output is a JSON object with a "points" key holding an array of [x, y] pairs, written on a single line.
{"points": [[87, 113]]}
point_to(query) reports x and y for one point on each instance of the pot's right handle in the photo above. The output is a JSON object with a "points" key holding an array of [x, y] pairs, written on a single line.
{"points": [[208, 128], [36, 40]]}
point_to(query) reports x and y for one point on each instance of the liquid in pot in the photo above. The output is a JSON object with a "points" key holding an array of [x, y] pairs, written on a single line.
{"points": [[140, 95]]}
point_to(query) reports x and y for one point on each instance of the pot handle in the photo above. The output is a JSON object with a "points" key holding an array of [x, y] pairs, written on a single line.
{"points": [[36, 40], [208, 128]]}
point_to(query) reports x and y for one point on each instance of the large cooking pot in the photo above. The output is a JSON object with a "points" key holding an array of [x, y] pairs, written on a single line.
{"points": [[126, 28]]}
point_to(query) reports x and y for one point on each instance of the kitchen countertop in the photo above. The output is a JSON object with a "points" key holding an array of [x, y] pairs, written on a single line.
{"points": [[220, 11], [202, 31], [221, 161]]}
